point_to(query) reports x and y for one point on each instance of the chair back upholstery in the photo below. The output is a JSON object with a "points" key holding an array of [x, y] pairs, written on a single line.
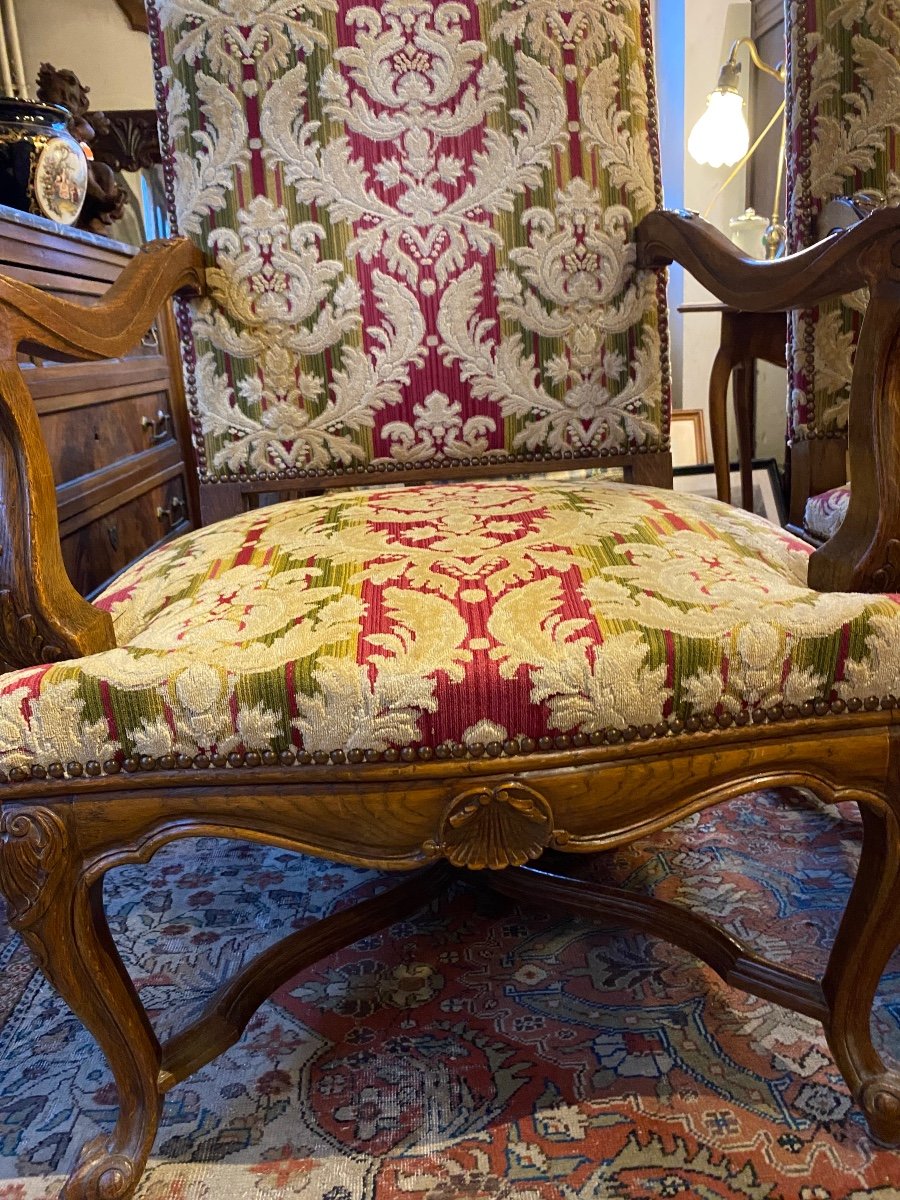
{"points": [[418, 222], [844, 119]]}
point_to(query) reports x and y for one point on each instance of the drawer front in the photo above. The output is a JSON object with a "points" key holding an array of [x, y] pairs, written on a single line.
{"points": [[82, 438], [105, 545]]}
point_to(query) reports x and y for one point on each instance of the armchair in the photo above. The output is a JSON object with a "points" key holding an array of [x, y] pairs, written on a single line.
{"points": [[434, 252], [842, 89]]}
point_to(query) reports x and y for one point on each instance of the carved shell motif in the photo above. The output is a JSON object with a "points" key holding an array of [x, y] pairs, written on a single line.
{"points": [[503, 826], [32, 843]]}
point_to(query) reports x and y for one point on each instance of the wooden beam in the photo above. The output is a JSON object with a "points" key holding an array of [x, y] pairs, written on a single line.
{"points": [[135, 14]]}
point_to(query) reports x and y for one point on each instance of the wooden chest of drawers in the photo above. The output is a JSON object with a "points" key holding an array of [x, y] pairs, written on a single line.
{"points": [[116, 431]]}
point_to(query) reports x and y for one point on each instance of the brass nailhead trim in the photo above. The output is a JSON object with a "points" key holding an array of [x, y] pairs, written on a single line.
{"points": [[511, 748], [451, 466]]}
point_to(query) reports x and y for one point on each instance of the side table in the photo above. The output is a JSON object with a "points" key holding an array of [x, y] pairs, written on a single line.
{"points": [[745, 336]]}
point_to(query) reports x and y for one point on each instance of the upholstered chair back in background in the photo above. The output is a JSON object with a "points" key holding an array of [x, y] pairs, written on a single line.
{"points": [[844, 118], [418, 218]]}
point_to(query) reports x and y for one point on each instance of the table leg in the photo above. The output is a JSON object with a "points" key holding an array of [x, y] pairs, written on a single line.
{"points": [[745, 417], [718, 421]]}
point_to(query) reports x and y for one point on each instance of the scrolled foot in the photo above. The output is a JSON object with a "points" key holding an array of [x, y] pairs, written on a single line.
{"points": [[102, 1174], [880, 1101]]}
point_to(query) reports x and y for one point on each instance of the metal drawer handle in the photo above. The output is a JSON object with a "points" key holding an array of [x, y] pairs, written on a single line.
{"points": [[150, 340], [161, 428], [173, 514]]}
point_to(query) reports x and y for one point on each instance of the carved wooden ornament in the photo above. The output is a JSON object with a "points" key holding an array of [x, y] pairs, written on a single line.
{"points": [[32, 845], [503, 826], [22, 644]]}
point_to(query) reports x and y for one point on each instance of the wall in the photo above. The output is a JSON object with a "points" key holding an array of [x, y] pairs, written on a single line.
{"points": [[94, 39], [710, 29]]}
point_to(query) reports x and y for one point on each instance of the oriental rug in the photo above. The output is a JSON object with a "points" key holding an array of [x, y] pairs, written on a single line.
{"points": [[479, 1050]]}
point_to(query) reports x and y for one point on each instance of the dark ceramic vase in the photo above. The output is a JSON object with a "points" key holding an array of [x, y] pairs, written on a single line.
{"points": [[43, 169]]}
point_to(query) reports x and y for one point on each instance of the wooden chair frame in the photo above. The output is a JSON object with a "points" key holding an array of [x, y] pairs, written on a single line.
{"points": [[493, 808]]}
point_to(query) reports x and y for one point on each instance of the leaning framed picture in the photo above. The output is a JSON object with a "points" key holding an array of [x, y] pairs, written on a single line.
{"points": [[688, 437], [768, 493]]}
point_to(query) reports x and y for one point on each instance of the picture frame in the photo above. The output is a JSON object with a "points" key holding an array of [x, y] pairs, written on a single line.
{"points": [[768, 493], [688, 438]]}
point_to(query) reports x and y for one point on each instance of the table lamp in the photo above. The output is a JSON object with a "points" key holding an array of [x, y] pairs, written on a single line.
{"points": [[721, 137]]}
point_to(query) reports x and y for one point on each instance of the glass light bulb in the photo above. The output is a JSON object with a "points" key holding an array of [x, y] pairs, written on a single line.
{"points": [[721, 137]]}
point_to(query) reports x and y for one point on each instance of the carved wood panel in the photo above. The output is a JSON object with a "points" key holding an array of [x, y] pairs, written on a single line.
{"points": [[129, 141]]}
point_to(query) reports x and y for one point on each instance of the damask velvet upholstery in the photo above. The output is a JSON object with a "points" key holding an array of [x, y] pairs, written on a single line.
{"points": [[825, 513], [418, 220], [441, 617], [844, 117]]}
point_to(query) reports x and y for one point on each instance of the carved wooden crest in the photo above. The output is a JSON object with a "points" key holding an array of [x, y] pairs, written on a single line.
{"points": [[129, 141], [32, 844], [495, 827]]}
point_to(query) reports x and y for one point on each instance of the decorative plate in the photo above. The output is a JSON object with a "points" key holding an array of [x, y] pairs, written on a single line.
{"points": [[60, 180]]}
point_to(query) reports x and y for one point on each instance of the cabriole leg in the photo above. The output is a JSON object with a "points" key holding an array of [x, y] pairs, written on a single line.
{"points": [[868, 935], [61, 917]]}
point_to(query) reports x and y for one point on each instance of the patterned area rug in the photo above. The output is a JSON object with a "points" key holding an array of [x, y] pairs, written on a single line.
{"points": [[479, 1050]]}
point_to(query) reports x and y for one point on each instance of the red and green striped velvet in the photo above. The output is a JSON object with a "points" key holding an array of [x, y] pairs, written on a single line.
{"points": [[418, 218]]}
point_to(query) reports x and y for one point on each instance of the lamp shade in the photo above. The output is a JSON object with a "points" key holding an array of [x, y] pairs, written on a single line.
{"points": [[721, 137]]}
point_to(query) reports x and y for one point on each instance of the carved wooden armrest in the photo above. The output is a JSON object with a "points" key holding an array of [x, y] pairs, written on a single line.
{"points": [[864, 555], [112, 324], [42, 616], [848, 260]]}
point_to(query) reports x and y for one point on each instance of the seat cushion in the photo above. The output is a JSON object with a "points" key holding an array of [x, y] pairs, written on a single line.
{"points": [[417, 617], [824, 514]]}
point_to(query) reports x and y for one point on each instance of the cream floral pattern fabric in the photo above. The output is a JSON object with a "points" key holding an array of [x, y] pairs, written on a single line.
{"points": [[824, 514], [845, 74], [376, 619], [418, 218]]}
